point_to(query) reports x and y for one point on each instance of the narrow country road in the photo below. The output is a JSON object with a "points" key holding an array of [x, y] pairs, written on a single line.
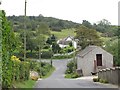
{"points": [[57, 80]]}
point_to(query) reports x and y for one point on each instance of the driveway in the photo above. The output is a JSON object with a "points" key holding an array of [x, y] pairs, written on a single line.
{"points": [[57, 80]]}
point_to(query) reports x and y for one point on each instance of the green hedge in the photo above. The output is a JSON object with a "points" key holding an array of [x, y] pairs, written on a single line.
{"points": [[45, 67], [21, 71], [63, 56], [46, 54]]}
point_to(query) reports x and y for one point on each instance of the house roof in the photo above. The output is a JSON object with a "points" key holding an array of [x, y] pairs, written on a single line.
{"points": [[87, 50], [64, 41], [69, 37]]}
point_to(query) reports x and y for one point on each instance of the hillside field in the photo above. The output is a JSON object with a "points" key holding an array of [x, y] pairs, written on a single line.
{"points": [[64, 33]]}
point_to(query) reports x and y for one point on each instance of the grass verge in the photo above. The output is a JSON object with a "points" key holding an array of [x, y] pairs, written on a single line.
{"points": [[72, 75], [49, 73], [25, 84]]}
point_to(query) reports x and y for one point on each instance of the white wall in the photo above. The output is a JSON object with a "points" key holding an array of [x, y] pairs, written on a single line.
{"points": [[74, 44]]}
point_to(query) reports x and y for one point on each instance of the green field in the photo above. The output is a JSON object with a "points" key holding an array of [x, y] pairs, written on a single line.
{"points": [[64, 33]]}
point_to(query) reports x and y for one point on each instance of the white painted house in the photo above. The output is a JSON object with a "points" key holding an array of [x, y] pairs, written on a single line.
{"points": [[93, 58], [65, 42]]}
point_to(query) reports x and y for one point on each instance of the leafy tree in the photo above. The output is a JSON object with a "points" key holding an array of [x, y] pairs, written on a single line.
{"points": [[51, 39], [102, 26], [43, 29], [30, 44], [55, 48], [112, 47], [87, 24], [30, 38], [41, 32], [33, 21], [87, 36]]}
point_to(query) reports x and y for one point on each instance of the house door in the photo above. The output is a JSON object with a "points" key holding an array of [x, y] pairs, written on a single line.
{"points": [[99, 59]]}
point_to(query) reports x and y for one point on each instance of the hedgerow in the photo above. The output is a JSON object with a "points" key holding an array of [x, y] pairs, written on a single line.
{"points": [[12, 68]]}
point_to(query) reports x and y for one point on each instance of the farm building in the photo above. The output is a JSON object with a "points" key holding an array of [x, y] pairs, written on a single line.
{"points": [[93, 58]]}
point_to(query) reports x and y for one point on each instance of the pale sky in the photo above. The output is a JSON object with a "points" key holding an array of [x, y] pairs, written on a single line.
{"points": [[74, 10]]}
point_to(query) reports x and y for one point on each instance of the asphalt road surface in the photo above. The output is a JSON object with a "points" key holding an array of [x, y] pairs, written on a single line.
{"points": [[57, 80]]}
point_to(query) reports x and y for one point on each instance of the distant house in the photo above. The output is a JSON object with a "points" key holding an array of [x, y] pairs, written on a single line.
{"points": [[93, 58], [66, 41]]}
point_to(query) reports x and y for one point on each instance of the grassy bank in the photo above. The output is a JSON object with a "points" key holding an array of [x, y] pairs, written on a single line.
{"points": [[49, 73], [30, 83], [24, 84]]}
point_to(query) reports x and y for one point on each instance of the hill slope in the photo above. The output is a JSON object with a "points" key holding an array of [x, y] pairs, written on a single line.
{"points": [[32, 22]]}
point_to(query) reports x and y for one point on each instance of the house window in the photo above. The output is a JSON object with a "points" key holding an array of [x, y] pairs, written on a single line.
{"points": [[99, 59]]}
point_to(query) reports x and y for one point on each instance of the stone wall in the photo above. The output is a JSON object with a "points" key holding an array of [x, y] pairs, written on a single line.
{"points": [[112, 75]]}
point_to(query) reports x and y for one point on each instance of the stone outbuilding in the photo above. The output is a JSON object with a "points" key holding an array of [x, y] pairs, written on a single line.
{"points": [[93, 58]]}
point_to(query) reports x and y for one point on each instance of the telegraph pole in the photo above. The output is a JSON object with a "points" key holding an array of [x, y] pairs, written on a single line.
{"points": [[25, 32]]}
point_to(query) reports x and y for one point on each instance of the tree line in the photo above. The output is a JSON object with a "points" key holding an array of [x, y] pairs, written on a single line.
{"points": [[32, 22]]}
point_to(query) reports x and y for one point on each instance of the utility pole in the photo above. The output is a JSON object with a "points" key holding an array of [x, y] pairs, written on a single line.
{"points": [[25, 32]]}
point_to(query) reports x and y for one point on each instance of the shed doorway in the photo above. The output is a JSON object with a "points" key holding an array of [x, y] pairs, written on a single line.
{"points": [[99, 59]]}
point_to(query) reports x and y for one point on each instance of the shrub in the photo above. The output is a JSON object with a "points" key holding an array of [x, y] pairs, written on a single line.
{"points": [[67, 71], [20, 69], [46, 54], [72, 75], [45, 67], [96, 79], [62, 56], [46, 47], [68, 76], [103, 81], [70, 67], [75, 75]]}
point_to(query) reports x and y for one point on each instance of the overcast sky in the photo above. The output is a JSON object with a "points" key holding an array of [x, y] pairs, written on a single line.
{"points": [[74, 10]]}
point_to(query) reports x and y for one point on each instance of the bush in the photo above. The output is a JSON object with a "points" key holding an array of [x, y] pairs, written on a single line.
{"points": [[103, 81], [96, 79], [46, 47], [75, 75], [62, 56], [67, 71], [72, 75], [70, 67], [68, 76], [45, 67], [46, 54], [20, 69]]}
